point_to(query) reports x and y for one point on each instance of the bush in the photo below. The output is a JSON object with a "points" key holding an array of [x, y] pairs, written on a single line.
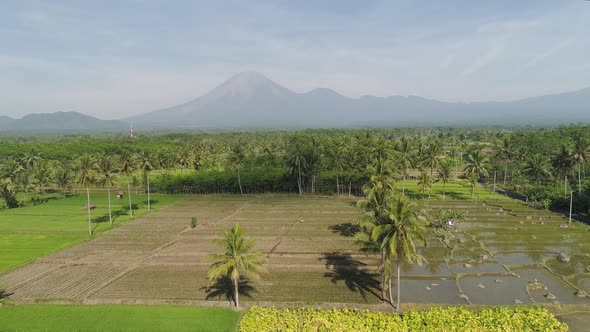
{"points": [[435, 319], [193, 222]]}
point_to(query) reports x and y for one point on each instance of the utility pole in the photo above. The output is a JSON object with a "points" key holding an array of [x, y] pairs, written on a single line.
{"points": [[88, 208], [148, 187], [129, 193], [571, 204]]}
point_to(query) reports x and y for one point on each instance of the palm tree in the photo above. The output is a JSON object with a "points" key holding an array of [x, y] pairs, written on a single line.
{"points": [[86, 177], [236, 160], [106, 177], [405, 159], [296, 162], [507, 152], [236, 260], [563, 164], [31, 159], [377, 192], [145, 166], [444, 174], [581, 154], [476, 164], [537, 168], [63, 178], [398, 235], [472, 180], [336, 163], [126, 168], [432, 156], [425, 182], [42, 176]]}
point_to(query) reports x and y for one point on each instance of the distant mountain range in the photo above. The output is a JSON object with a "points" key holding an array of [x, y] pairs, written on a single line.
{"points": [[59, 121], [250, 100]]}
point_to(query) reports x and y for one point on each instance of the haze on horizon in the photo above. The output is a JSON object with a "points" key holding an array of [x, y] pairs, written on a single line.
{"points": [[121, 58]]}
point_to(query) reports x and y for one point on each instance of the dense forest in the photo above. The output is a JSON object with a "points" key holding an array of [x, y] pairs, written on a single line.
{"points": [[541, 166]]}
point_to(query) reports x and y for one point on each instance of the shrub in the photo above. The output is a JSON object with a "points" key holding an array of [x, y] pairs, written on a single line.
{"points": [[193, 222], [435, 319]]}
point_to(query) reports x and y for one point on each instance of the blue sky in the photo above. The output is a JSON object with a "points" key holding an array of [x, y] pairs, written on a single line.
{"points": [[116, 58]]}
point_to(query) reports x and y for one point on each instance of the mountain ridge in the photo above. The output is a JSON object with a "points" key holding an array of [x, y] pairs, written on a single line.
{"points": [[249, 99]]}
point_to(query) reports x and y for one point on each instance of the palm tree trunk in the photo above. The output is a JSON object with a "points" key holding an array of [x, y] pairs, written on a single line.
{"points": [[88, 208], [236, 293], [337, 186], [444, 189], [390, 292], [110, 213], [129, 194], [240, 182], [382, 275], [404, 185], [399, 270], [565, 184], [579, 177]]}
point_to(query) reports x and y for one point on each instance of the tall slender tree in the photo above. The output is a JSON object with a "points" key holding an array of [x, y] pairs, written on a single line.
{"points": [[237, 260], [444, 174], [405, 159], [236, 159], [107, 174]]}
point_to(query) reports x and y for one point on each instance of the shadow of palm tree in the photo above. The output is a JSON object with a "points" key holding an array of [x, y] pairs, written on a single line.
{"points": [[354, 273], [4, 294], [346, 229], [223, 287]]}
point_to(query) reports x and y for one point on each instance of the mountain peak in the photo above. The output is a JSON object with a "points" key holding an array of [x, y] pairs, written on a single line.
{"points": [[247, 84]]}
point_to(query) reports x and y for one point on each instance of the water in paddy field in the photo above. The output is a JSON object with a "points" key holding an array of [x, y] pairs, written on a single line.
{"points": [[503, 253]]}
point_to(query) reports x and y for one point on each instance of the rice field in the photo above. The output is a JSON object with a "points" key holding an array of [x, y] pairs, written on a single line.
{"points": [[498, 255]]}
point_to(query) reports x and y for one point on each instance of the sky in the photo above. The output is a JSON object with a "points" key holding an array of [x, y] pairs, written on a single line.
{"points": [[112, 59]]}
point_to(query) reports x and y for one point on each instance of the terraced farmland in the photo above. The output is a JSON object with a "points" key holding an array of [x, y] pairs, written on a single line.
{"points": [[493, 257]]}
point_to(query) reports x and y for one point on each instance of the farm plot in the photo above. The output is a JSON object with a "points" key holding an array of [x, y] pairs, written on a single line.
{"points": [[496, 256]]}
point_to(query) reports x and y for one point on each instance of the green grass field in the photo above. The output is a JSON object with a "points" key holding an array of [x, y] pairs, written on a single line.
{"points": [[29, 232], [457, 189], [116, 318]]}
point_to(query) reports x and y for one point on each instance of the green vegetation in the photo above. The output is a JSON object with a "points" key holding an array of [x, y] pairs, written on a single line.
{"points": [[29, 232], [515, 319], [116, 318], [237, 262]]}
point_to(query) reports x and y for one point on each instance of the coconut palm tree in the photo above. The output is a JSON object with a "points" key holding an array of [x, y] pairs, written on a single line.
{"points": [[296, 162], [477, 164], [432, 156], [537, 168], [126, 168], [405, 159], [86, 167], [63, 178], [106, 177], [444, 174], [236, 160], [145, 165], [580, 155], [506, 152], [42, 177], [377, 192], [236, 261], [425, 182], [336, 163], [472, 180], [398, 235], [564, 165], [31, 159]]}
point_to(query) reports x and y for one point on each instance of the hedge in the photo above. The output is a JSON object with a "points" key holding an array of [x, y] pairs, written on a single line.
{"points": [[508, 319]]}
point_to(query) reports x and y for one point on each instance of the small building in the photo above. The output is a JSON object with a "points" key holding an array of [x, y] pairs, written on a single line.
{"points": [[120, 195]]}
